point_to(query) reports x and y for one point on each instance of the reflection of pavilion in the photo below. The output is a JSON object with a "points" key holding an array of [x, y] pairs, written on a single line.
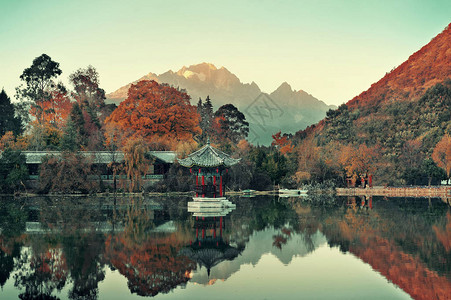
{"points": [[209, 247]]}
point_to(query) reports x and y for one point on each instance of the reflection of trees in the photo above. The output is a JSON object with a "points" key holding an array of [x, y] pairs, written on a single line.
{"points": [[70, 248], [397, 239], [275, 213], [148, 260], [7, 263], [40, 272], [12, 225], [283, 237], [74, 219], [85, 264], [151, 266]]}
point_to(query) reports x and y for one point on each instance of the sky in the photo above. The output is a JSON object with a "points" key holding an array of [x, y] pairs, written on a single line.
{"points": [[333, 50]]}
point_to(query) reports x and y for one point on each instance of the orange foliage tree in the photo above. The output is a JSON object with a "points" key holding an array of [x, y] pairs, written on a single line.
{"points": [[55, 109], [7, 141], [442, 154], [359, 162], [282, 143], [154, 110], [308, 157]]}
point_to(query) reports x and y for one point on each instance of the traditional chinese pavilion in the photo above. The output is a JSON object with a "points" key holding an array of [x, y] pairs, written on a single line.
{"points": [[208, 165]]}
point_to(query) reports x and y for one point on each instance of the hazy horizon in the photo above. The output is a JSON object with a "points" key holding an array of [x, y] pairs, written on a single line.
{"points": [[332, 50]]}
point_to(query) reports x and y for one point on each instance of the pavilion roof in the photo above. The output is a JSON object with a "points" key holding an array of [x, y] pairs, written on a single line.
{"points": [[207, 157]]}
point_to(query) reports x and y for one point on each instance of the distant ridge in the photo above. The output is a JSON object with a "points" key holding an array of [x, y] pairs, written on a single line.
{"points": [[425, 68], [297, 109]]}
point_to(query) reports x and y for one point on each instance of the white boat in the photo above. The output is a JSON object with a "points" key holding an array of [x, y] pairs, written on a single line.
{"points": [[292, 192]]}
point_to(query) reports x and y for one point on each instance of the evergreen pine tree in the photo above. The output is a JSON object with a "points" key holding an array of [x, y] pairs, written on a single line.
{"points": [[8, 119], [69, 139]]}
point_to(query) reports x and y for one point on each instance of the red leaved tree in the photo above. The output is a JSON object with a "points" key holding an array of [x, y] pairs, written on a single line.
{"points": [[152, 111], [442, 154]]}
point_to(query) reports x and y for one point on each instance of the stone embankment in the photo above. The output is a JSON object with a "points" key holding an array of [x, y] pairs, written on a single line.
{"points": [[443, 192]]}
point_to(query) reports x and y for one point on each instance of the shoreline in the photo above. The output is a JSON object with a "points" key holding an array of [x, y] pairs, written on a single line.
{"points": [[443, 192], [415, 192]]}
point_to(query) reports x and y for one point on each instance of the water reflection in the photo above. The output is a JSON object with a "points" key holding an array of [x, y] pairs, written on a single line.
{"points": [[209, 248], [59, 247]]}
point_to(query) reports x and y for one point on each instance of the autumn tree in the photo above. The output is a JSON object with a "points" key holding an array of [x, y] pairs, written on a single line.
{"points": [[359, 162], [230, 124], [308, 157], [152, 111], [282, 143], [136, 162], [54, 109], [86, 88], [43, 136], [39, 83], [91, 101], [67, 173], [442, 154], [9, 120]]}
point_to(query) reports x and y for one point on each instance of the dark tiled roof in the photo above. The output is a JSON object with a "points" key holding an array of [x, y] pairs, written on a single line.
{"points": [[100, 157], [208, 156]]}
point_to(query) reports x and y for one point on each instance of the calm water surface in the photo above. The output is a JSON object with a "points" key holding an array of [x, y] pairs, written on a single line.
{"points": [[266, 248]]}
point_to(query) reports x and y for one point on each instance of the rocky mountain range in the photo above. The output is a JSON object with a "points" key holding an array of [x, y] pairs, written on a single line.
{"points": [[284, 109]]}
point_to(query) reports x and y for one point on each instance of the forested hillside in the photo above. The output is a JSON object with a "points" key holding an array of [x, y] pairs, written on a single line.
{"points": [[393, 129]]}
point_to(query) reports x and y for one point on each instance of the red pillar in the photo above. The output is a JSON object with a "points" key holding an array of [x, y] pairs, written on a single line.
{"points": [[197, 183], [203, 233], [197, 233], [220, 186], [214, 184], [370, 180], [203, 186]]}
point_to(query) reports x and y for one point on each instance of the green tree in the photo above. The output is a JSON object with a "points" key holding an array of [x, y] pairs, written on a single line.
{"points": [[432, 171], [76, 127], [39, 83], [205, 111], [69, 139], [9, 119], [13, 171], [230, 124]]}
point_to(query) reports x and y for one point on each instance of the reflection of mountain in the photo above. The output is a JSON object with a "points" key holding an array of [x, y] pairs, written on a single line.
{"points": [[284, 109], [259, 244], [401, 246], [403, 269]]}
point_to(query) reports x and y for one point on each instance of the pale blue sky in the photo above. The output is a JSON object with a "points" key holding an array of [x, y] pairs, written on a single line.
{"points": [[332, 49]]}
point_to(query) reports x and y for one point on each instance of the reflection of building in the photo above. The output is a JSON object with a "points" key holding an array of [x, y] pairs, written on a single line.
{"points": [[209, 247]]}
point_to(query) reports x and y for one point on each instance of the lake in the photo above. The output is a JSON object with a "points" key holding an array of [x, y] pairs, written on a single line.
{"points": [[64, 247]]}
